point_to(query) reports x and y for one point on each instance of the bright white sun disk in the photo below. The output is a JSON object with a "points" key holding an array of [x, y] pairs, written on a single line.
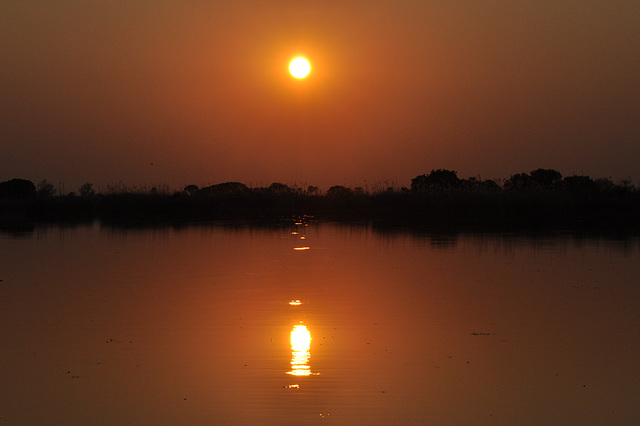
{"points": [[299, 67]]}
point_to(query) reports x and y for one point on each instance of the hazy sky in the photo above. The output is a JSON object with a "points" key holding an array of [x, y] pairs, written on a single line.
{"points": [[98, 91]]}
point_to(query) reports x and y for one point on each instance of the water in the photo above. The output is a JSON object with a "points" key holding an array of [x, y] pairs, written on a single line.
{"points": [[194, 326]]}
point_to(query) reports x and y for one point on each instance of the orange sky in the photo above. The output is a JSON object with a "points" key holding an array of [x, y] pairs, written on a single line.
{"points": [[97, 91]]}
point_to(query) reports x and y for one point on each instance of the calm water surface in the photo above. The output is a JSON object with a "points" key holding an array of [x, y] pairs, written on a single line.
{"points": [[316, 324]]}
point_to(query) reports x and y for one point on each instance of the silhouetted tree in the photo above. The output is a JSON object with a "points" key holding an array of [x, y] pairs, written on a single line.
{"points": [[226, 187], [490, 185], [546, 178], [45, 189], [627, 185], [579, 184], [86, 190], [473, 184], [17, 189], [339, 191], [437, 179], [278, 187], [539, 179], [191, 189], [313, 190], [605, 184], [518, 182]]}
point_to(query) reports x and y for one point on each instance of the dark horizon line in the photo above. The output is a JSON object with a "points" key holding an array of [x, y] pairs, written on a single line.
{"points": [[382, 185], [541, 198]]}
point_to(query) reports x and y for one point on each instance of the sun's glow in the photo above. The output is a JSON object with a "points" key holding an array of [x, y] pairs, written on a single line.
{"points": [[299, 67]]}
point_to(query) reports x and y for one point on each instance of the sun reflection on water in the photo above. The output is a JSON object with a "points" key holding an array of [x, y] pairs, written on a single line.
{"points": [[300, 346], [301, 235]]}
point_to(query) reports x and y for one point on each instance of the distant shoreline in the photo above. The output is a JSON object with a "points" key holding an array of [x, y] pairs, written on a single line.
{"points": [[539, 200]]}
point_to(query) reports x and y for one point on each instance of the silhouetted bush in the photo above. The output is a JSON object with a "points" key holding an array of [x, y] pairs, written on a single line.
{"points": [[17, 189], [536, 180], [546, 178], [278, 187], [436, 180], [339, 191], [224, 188]]}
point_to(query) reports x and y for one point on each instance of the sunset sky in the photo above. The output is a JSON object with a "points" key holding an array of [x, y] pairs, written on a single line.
{"points": [[199, 92]]}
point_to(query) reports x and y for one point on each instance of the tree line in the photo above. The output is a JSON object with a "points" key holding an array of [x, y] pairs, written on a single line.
{"points": [[540, 197], [435, 181]]}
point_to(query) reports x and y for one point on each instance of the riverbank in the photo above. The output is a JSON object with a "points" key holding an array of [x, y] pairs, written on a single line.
{"points": [[438, 200], [460, 208]]}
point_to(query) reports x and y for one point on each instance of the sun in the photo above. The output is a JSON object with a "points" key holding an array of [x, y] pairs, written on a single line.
{"points": [[299, 67]]}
